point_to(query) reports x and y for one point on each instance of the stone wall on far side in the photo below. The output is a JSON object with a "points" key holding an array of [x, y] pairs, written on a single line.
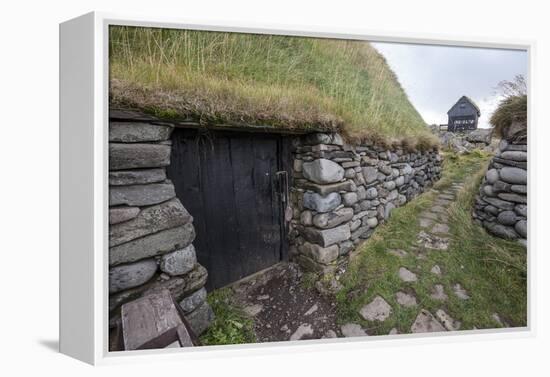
{"points": [[501, 205]]}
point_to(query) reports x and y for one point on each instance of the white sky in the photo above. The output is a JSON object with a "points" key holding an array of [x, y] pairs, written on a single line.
{"points": [[435, 77]]}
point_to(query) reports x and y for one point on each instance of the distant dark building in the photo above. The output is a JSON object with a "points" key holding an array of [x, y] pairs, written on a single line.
{"points": [[463, 115]]}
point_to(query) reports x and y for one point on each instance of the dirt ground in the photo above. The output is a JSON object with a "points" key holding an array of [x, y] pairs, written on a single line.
{"points": [[284, 306]]}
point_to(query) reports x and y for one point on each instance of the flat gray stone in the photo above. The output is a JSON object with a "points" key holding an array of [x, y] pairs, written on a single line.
{"points": [[323, 171], [425, 223], [370, 174], [134, 132], [425, 322], [200, 319], [460, 292], [448, 322], [448, 197], [329, 334], [438, 209], [349, 198], [324, 190], [150, 220], [152, 245], [122, 214], [138, 156], [431, 241], [131, 275], [436, 270], [253, 310], [507, 218], [377, 310], [514, 155], [136, 177], [429, 215], [193, 301], [512, 175], [332, 219], [321, 203], [141, 195], [440, 229], [303, 330], [405, 299], [513, 197], [323, 255], [179, 262], [350, 330], [438, 293], [521, 228], [312, 310], [500, 230], [327, 237], [406, 275]]}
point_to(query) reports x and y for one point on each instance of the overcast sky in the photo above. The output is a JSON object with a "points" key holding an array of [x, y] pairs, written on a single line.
{"points": [[435, 77]]}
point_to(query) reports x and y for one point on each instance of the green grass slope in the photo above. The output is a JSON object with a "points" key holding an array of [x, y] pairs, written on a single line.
{"points": [[292, 83]]}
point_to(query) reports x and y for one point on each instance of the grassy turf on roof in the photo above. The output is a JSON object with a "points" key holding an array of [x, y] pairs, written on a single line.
{"points": [[292, 83]]}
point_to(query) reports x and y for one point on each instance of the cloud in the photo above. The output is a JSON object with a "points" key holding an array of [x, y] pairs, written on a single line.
{"points": [[435, 77]]}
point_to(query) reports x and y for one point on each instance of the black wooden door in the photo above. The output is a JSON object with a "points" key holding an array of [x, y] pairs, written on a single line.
{"points": [[227, 181]]}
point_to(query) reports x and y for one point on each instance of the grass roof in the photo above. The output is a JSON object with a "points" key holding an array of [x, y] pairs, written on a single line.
{"points": [[291, 83]]}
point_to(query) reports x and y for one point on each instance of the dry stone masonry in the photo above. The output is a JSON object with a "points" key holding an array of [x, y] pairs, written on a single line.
{"points": [[342, 192], [150, 232], [501, 206]]}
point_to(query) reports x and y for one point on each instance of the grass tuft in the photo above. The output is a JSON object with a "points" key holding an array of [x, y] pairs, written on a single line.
{"points": [[231, 325]]}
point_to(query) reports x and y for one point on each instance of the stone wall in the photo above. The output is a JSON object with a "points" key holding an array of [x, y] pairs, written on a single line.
{"points": [[341, 193], [150, 232], [466, 141], [501, 206]]}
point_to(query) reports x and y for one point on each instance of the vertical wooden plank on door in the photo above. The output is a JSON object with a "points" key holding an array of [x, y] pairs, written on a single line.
{"points": [[185, 173], [265, 162], [242, 155], [220, 212]]}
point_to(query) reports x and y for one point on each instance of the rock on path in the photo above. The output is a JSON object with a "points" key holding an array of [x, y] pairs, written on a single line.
{"points": [[305, 329], [377, 310], [438, 293], [405, 299], [425, 322], [406, 275], [460, 292], [350, 330]]}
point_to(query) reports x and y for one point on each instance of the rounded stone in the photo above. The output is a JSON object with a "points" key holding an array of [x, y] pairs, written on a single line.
{"points": [[179, 262], [521, 209], [131, 275], [507, 218], [514, 155], [323, 171], [390, 185], [372, 193], [521, 228], [372, 222], [306, 218], [513, 175], [349, 198], [492, 176], [488, 190], [320, 203]]}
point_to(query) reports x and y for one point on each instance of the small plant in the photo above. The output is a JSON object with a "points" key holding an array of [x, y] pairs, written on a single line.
{"points": [[231, 325]]}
